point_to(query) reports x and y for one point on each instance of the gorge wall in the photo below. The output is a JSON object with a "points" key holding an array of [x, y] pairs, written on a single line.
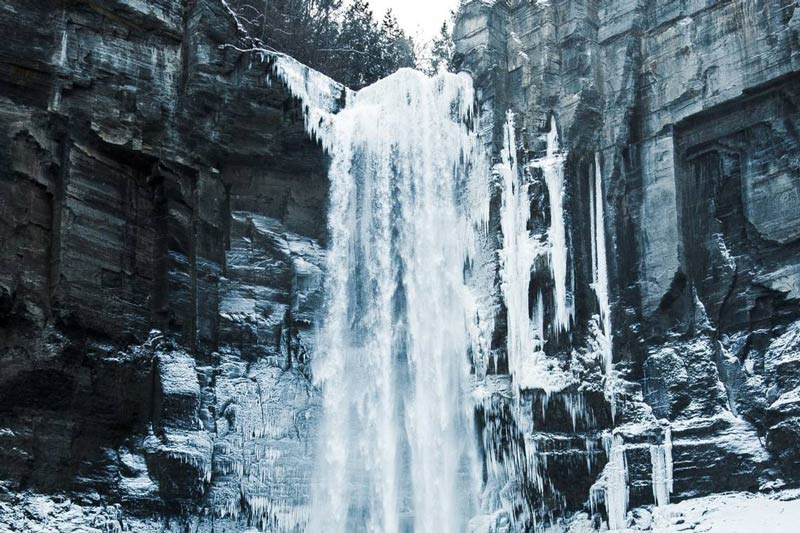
{"points": [[151, 181], [688, 111], [163, 231]]}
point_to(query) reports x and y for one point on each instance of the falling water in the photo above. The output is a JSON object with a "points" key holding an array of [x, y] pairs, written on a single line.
{"points": [[396, 448]]}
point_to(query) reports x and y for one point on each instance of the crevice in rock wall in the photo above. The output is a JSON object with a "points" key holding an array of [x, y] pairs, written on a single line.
{"points": [[732, 246]]}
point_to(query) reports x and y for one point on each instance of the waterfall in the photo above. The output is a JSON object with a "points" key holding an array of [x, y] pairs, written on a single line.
{"points": [[396, 445], [408, 202]]}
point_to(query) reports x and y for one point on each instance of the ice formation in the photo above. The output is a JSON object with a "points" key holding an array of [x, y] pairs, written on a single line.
{"points": [[396, 448], [552, 166], [612, 487], [661, 460], [320, 96], [520, 248], [408, 201], [600, 266]]}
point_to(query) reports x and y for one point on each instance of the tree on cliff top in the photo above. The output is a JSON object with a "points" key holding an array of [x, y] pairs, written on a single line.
{"points": [[442, 51], [344, 42]]}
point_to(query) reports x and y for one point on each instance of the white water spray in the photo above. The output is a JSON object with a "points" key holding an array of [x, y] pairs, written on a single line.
{"points": [[396, 449]]}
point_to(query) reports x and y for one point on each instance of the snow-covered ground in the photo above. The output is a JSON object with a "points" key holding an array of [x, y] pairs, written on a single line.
{"points": [[738, 512]]}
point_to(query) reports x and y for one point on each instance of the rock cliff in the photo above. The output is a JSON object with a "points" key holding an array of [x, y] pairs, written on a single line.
{"points": [[163, 237], [162, 219], [688, 110]]}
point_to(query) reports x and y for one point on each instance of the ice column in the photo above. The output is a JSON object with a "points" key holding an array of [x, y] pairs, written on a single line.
{"points": [[552, 165], [616, 494], [517, 255], [612, 486], [600, 266], [661, 460]]}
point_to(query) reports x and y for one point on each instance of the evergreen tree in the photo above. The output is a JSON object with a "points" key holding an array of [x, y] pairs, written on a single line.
{"points": [[397, 48], [442, 50], [342, 40], [359, 45]]}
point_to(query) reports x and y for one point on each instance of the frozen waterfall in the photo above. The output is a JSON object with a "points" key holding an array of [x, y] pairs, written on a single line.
{"points": [[409, 202], [600, 265], [520, 248], [396, 447], [552, 165]]}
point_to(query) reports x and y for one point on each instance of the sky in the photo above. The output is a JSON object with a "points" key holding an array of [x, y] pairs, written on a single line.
{"points": [[417, 17]]}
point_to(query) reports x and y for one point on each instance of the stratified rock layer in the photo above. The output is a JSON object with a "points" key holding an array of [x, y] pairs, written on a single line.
{"points": [[162, 220]]}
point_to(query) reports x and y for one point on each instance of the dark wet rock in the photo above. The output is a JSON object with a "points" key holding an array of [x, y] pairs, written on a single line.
{"points": [[162, 226], [666, 379]]}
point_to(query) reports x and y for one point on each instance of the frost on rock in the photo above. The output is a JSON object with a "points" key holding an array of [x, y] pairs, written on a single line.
{"points": [[266, 408]]}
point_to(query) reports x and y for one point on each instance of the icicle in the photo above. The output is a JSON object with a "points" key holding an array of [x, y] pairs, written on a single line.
{"points": [[320, 95], [62, 55], [658, 477], [516, 259], [617, 488], [552, 166], [668, 458], [661, 460], [590, 449], [538, 320], [600, 266], [612, 487]]}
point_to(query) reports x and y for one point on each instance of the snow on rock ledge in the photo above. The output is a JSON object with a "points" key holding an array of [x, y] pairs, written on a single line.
{"points": [[320, 95]]}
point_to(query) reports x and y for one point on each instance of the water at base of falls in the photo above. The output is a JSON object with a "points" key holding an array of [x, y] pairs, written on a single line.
{"points": [[396, 448]]}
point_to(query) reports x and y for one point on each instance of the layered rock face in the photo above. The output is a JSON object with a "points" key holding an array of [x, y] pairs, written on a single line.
{"points": [[688, 111], [162, 220]]}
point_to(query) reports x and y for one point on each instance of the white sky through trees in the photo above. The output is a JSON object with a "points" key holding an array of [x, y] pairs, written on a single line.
{"points": [[421, 18]]}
